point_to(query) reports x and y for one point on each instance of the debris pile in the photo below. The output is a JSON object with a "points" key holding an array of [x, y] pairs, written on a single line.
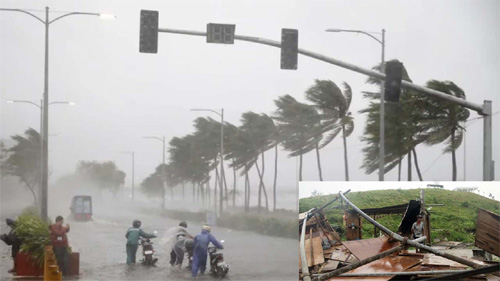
{"points": [[380, 258]]}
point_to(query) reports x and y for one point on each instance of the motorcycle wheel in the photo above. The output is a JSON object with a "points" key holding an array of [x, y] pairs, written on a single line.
{"points": [[148, 260]]}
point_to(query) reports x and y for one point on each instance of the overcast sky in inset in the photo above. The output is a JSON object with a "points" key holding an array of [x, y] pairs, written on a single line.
{"points": [[123, 95]]}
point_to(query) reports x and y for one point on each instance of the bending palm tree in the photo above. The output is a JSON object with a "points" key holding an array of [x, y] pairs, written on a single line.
{"points": [[443, 119], [334, 107], [300, 128]]}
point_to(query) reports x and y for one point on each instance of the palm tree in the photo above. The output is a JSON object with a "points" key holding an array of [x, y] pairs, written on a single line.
{"points": [[300, 127], [262, 130], [443, 119], [333, 105], [403, 131], [241, 150]]}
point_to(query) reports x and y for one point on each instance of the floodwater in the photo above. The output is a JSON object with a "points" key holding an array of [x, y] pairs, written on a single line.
{"points": [[101, 244]]}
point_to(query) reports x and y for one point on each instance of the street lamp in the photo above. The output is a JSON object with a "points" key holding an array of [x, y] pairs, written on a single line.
{"points": [[131, 153], [221, 114], [381, 162], [163, 167], [45, 126], [41, 107], [40, 132]]}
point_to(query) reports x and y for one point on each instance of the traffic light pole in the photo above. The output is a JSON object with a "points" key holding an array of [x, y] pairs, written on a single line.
{"points": [[485, 109]]}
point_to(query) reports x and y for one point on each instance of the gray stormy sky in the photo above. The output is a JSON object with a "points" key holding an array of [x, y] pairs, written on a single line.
{"points": [[123, 95]]}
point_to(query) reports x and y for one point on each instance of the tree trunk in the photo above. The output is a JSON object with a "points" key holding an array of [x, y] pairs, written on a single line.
{"points": [[261, 187], [416, 164], [275, 176], [163, 195], [215, 186], [409, 166], [223, 177], [247, 190], [202, 194], [399, 168], [183, 197], [300, 168], [345, 154], [194, 191], [34, 196], [319, 162], [208, 193], [453, 156], [225, 186], [234, 185]]}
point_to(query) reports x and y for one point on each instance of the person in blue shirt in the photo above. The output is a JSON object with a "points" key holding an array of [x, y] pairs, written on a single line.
{"points": [[201, 242], [133, 234]]}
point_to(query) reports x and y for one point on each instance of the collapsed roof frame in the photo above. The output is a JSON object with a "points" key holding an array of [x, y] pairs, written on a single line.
{"points": [[416, 243]]}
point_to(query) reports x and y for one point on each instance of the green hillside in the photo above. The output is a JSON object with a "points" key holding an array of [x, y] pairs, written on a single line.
{"points": [[455, 221]]}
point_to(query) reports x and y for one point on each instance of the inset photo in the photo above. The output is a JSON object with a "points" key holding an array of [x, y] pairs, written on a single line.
{"points": [[399, 230]]}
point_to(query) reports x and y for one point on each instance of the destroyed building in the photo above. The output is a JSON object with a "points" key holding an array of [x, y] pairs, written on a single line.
{"points": [[387, 257]]}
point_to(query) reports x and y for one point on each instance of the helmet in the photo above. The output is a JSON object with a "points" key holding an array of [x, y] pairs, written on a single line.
{"points": [[136, 223], [183, 224], [206, 227]]}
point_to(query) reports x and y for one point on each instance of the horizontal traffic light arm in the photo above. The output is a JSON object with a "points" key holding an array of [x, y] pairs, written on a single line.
{"points": [[476, 107]]}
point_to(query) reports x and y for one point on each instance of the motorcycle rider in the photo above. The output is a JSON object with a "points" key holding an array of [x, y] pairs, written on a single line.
{"points": [[177, 253], [201, 242], [133, 234]]}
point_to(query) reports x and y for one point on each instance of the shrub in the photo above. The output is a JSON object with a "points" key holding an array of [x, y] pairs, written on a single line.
{"points": [[34, 234]]}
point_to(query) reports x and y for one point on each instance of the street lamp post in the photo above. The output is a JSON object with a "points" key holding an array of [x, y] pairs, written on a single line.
{"points": [[381, 162], [163, 167], [131, 153], [221, 114], [40, 132], [45, 123]]}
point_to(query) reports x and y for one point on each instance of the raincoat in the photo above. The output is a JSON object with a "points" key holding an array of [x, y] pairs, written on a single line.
{"points": [[133, 234], [200, 254], [174, 240]]}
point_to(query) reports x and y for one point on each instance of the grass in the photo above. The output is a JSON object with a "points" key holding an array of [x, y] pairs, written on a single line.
{"points": [[455, 221]]}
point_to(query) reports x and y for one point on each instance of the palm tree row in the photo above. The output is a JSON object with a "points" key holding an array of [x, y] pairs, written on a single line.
{"points": [[297, 127]]}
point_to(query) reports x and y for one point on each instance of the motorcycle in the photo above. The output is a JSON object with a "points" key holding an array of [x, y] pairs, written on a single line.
{"points": [[148, 251], [218, 268]]}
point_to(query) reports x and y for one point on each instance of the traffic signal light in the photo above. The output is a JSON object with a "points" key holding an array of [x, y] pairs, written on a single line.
{"points": [[393, 77], [148, 40], [289, 48], [220, 33]]}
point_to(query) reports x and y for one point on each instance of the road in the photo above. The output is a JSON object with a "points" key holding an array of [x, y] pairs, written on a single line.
{"points": [[101, 244]]}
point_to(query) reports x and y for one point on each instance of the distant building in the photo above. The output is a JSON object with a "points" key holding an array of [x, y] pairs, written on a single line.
{"points": [[435, 186], [466, 189]]}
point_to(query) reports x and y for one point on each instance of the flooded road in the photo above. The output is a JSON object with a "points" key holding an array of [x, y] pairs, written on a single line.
{"points": [[101, 244]]}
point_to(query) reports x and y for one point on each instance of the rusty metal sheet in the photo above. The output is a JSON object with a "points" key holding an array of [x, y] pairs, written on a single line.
{"points": [[387, 264], [431, 259], [366, 248], [488, 231]]}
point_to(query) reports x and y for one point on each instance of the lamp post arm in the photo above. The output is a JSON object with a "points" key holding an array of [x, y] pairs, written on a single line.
{"points": [[356, 31], [22, 11], [196, 109], [26, 101], [74, 13], [157, 138]]}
